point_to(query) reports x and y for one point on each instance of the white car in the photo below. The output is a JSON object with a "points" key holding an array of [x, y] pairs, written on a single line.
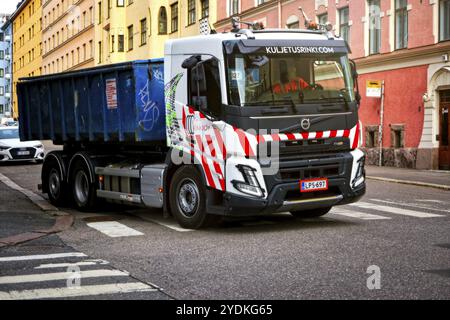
{"points": [[12, 149]]}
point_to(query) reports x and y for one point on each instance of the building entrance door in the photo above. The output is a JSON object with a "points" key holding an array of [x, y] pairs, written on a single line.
{"points": [[444, 130]]}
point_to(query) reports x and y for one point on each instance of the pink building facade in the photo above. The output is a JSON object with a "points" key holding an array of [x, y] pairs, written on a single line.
{"points": [[406, 44]]}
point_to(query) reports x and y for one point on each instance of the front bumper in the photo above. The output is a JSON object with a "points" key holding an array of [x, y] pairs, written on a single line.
{"points": [[13, 154], [286, 196]]}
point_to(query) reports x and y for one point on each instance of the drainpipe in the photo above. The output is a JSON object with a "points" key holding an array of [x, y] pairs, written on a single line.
{"points": [[279, 14]]}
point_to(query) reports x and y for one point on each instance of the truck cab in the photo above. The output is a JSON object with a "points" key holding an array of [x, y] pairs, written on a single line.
{"points": [[270, 117]]}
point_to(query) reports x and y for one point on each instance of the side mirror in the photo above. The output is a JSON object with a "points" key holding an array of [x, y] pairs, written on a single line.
{"points": [[191, 62]]}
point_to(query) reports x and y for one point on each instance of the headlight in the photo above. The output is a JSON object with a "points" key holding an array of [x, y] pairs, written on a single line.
{"points": [[4, 148], [360, 173], [250, 185], [39, 146]]}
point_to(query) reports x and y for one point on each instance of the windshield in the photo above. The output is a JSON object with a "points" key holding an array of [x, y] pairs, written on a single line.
{"points": [[9, 133], [271, 79]]}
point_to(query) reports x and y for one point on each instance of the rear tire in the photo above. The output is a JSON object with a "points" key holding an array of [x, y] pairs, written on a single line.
{"points": [[313, 213], [187, 197], [83, 190], [55, 184]]}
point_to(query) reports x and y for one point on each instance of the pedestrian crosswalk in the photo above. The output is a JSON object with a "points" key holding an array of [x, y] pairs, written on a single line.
{"points": [[66, 275]]}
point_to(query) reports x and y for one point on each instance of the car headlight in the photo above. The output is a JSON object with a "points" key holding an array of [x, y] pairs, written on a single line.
{"points": [[4, 148], [250, 185], [39, 146], [360, 172]]}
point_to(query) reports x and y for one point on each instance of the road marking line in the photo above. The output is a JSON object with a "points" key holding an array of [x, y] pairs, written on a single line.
{"points": [[64, 265], [166, 223], [394, 210], [26, 278], [357, 215], [114, 229], [54, 293], [43, 256], [409, 205]]}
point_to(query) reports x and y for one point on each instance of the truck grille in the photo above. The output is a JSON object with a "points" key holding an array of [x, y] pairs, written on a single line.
{"points": [[16, 153]]}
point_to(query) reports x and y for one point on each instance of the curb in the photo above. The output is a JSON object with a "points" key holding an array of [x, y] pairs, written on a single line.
{"points": [[414, 183], [63, 219]]}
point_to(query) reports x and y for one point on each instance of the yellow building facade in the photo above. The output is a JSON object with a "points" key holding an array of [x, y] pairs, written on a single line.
{"points": [[68, 35], [128, 30], [27, 43]]}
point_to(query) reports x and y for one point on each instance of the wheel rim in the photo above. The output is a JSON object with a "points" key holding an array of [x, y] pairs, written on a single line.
{"points": [[81, 187], [54, 184], [188, 198]]}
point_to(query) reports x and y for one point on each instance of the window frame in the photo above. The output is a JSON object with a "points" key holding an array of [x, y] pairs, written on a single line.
{"points": [[144, 31], [161, 31], [346, 24], [174, 18], [404, 11], [374, 31], [130, 33], [191, 12], [440, 36]]}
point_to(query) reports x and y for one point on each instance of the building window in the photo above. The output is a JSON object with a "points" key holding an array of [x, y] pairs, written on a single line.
{"points": [[191, 12], [143, 31], [293, 25], [2, 54], [109, 9], [444, 20], [130, 38], [371, 136], [1, 109], [100, 53], [2, 72], [100, 12], [374, 26], [260, 2], [401, 24], [112, 44], [2, 91], [322, 18], [121, 45], [120, 3], [205, 8], [162, 21], [174, 17], [397, 135], [234, 7], [344, 27]]}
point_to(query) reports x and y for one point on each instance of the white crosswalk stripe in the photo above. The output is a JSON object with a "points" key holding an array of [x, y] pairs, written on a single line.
{"points": [[93, 290], [357, 214], [395, 210], [32, 284], [114, 229]]}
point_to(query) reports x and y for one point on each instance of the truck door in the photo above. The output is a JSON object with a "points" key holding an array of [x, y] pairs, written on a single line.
{"points": [[200, 119]]}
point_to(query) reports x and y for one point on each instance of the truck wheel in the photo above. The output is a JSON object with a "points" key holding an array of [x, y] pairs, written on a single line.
{"points": [[313, 213], [83, 191], [56, 187], [187, 197]]}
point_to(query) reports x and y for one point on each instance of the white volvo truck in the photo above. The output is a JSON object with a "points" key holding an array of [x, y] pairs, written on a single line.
{"points": [[243, 123]]}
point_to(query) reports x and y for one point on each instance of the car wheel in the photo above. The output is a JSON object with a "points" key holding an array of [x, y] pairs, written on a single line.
{"points": [[56, 187]]}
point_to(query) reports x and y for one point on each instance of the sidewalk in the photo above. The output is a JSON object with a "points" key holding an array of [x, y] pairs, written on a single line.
{"points": [[429, 178]]}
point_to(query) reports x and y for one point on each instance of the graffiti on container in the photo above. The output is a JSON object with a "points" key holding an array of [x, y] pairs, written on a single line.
{"points": [[158, 75], [149, 108]]}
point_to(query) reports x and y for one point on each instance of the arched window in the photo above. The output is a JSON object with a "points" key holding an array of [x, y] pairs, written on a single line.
{"points": [[162, 21]]}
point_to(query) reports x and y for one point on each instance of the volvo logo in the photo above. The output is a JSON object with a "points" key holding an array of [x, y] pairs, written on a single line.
{"points": [[305, 123]]}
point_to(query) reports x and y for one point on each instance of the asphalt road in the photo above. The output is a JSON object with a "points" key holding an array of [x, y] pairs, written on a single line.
{"points": [[400, 230]]}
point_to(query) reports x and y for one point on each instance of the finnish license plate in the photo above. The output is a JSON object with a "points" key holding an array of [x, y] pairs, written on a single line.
{"points": [[311, 185], [23, 153]]}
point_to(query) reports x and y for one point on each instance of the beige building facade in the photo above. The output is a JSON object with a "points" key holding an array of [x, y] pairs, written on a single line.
{"points": [[68, 35]]}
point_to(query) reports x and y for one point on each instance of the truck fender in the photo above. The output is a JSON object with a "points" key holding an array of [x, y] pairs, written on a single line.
{"points": [[83, 156]]}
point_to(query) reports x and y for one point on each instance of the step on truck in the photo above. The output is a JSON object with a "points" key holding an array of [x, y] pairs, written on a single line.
{"points": [[243, 123]]}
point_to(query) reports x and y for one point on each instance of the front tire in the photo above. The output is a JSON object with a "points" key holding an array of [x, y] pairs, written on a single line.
{"points": [[187, 197], [313, 213], [83, 190]]}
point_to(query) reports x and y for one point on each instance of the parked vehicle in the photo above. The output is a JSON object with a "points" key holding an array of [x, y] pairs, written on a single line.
{"points": [[176, 133], [8, 122], [12, 149]]}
